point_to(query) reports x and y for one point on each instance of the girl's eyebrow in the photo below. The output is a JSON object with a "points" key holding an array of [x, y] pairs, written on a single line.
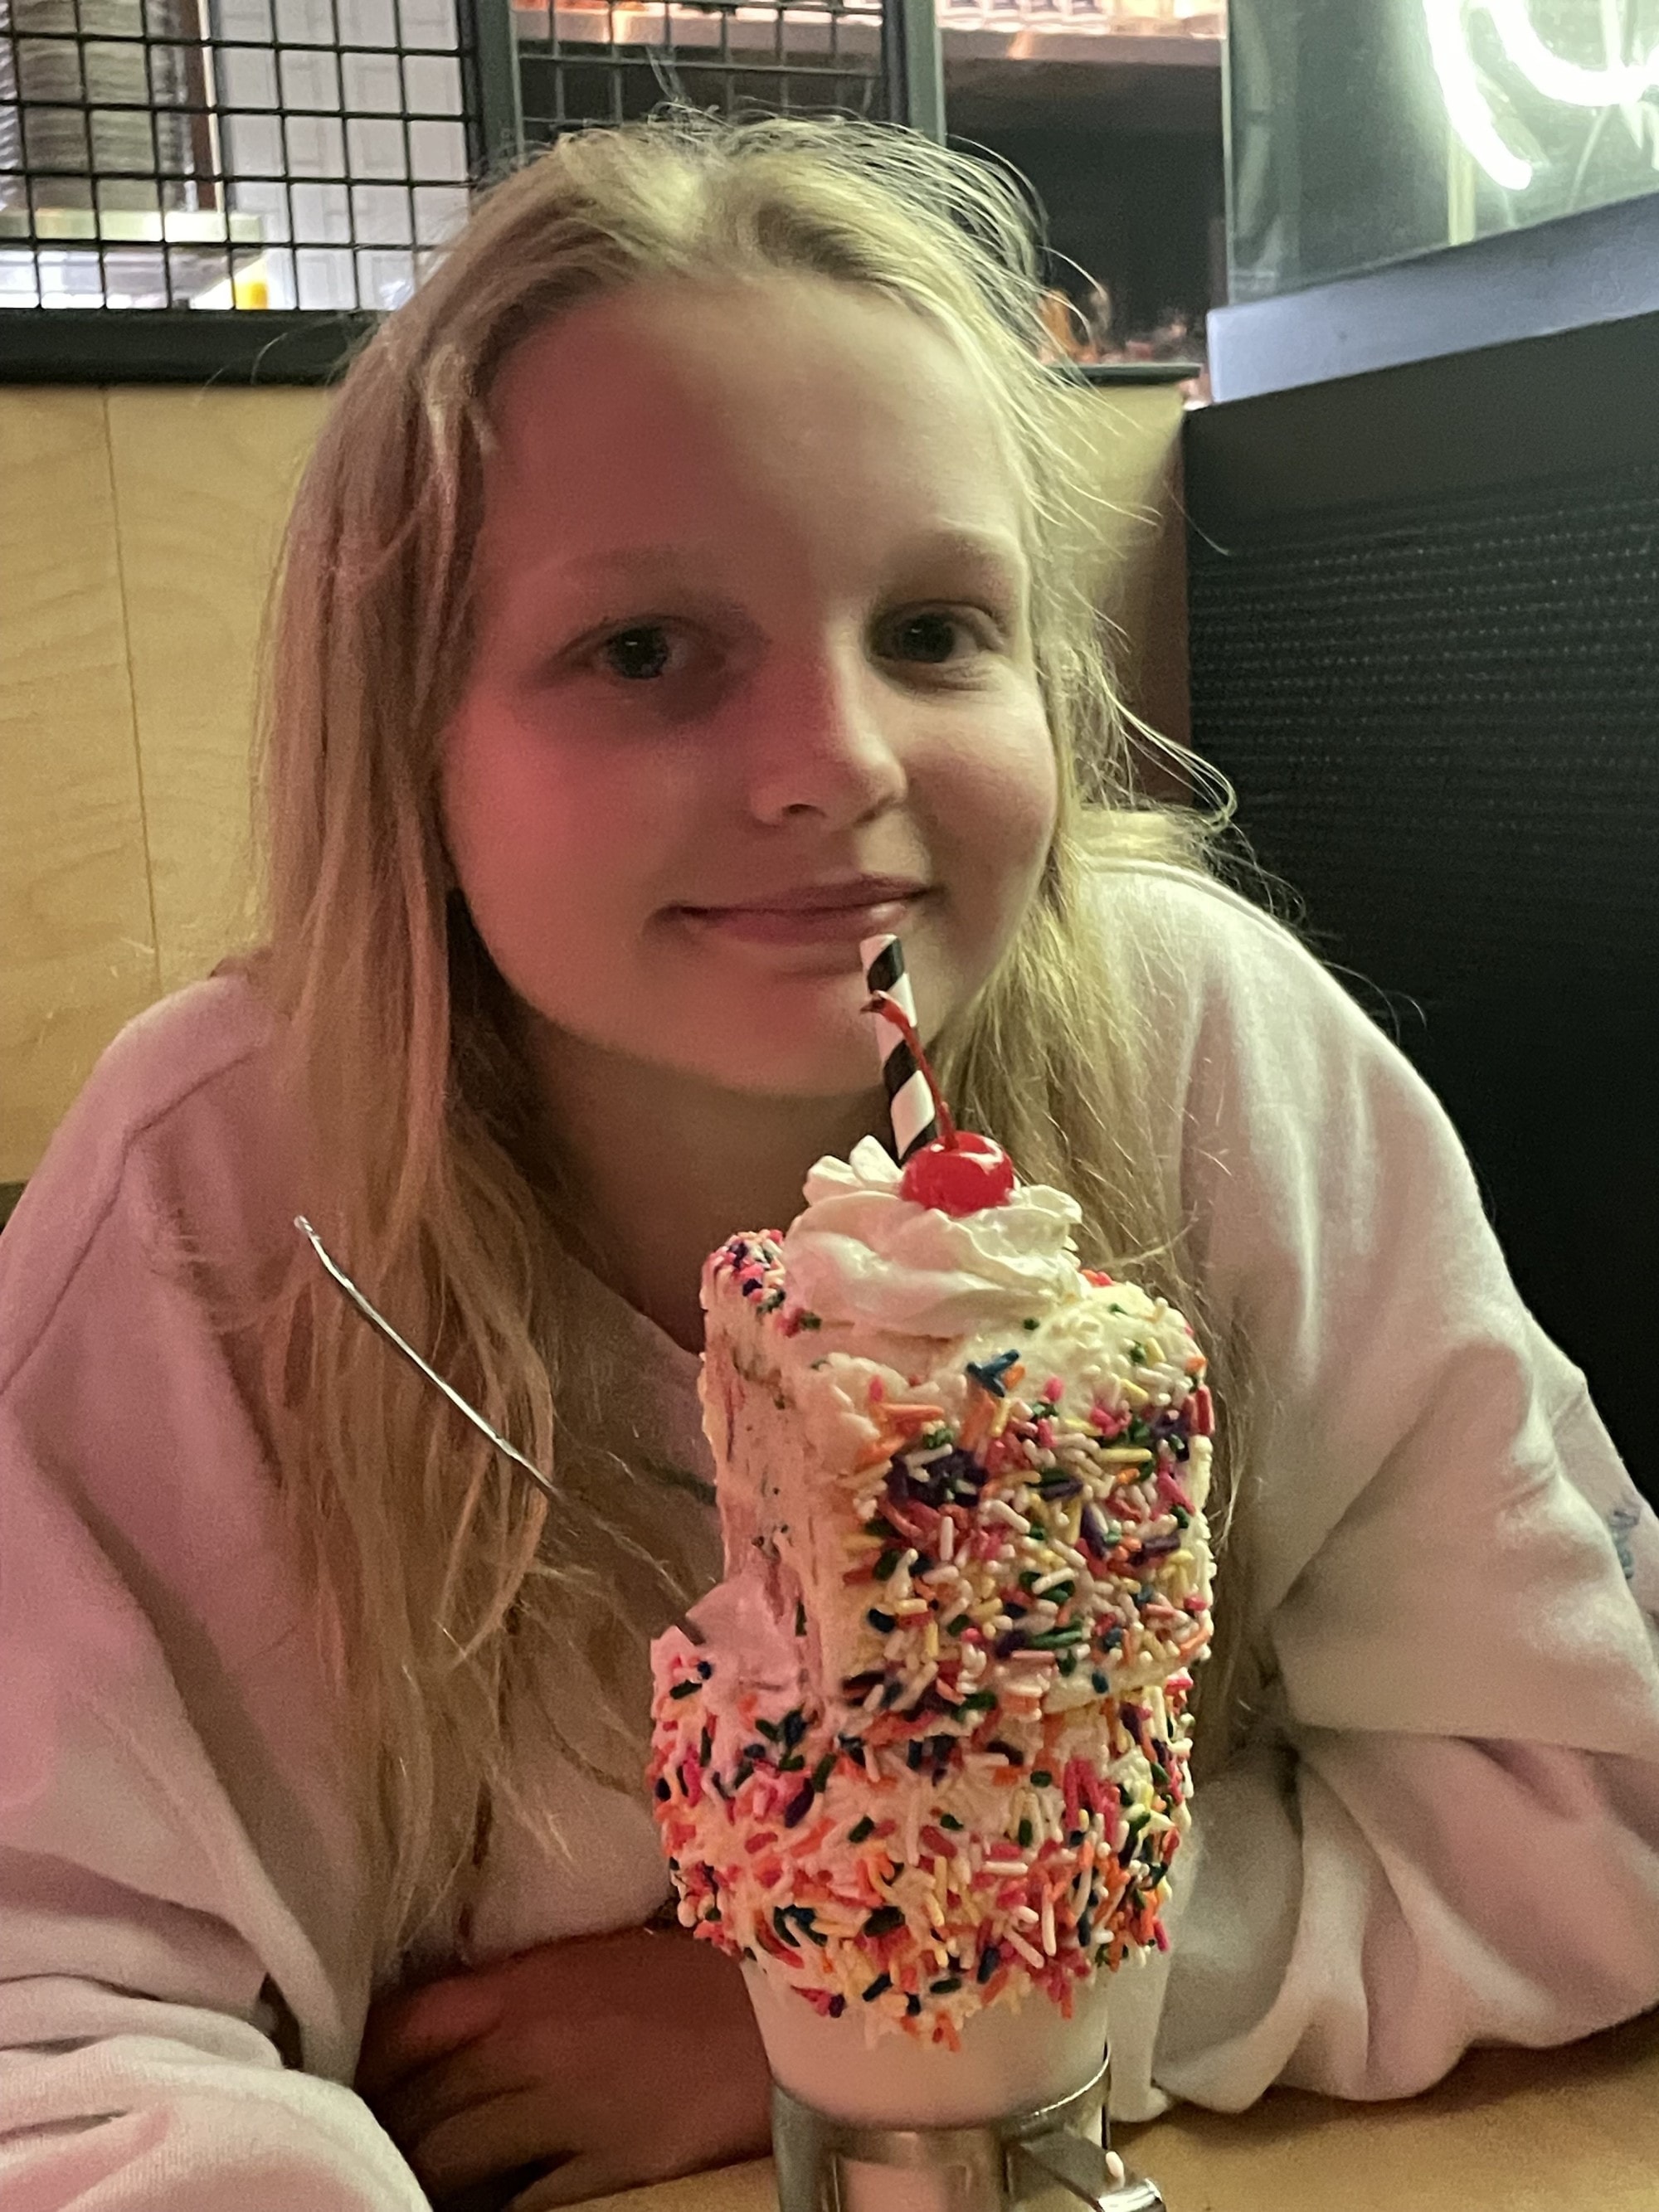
{"points": [[611, 564], [635, 560], [988, 551], [632, 568], [990, 565]]}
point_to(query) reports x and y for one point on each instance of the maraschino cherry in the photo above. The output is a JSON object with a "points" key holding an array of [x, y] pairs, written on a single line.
{"points": [[959, 1172], [959, 1177]]}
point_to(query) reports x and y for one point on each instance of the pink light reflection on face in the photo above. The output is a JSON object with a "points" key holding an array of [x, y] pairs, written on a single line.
{"points": [[751, 623]]}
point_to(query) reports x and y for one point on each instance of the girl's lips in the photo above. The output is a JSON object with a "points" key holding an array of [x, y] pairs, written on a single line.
{"points": [[804, 924]]}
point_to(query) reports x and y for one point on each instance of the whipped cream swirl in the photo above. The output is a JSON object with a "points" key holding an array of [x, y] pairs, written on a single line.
{"points": [[860, 1253]]}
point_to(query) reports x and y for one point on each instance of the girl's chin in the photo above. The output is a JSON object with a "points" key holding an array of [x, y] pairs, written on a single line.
{"points": [[804, 1038], [763, 1071], [830, 1060]]}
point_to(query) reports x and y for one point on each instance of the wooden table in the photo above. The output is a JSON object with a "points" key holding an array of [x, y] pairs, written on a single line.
{"points": [[1569, 2130]]}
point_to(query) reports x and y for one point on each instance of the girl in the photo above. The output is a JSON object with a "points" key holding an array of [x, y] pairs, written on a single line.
{"points": [[678, 595]]}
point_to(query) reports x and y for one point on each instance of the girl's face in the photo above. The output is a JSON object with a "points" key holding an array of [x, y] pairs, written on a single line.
{"points": [[752, 681]]}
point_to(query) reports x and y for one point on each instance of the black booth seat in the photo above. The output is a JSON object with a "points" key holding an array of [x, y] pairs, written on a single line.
{"points": [[1424, 626]]}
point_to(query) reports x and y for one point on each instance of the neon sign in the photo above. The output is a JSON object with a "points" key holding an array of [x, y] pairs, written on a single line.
{"points": [[1618, 85]]}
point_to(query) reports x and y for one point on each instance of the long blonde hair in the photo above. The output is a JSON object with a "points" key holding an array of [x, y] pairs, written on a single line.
{"points": [[450, 1592]]}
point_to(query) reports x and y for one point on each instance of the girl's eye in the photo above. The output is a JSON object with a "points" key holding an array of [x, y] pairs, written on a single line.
{"points": [[931, 637], [639, 654]]}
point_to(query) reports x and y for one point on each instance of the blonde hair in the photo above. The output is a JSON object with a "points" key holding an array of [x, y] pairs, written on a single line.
{"points": [[451, 1593]]}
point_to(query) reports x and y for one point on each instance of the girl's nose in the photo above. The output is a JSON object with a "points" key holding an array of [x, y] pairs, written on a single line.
{"points": [[824, 742]]}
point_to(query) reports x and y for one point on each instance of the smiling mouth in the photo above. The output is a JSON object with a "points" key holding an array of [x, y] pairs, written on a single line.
{"points": [[815, 914]]}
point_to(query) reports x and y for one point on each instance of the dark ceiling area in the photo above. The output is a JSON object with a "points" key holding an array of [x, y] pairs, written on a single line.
{"points": [[1068, 88], [1125, 157]]}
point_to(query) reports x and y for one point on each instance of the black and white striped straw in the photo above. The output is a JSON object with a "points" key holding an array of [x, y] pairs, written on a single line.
{"points": [[909, 1101]]}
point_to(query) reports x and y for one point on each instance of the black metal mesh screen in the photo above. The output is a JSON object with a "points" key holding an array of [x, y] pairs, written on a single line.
{"points": [[304, 156], [1443, 723], [221, 154], [261, 155], [602, 64]]}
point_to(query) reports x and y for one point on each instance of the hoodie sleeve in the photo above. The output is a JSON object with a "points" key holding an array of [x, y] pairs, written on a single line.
{"points": [[1442, 1827], [183, 1978]]}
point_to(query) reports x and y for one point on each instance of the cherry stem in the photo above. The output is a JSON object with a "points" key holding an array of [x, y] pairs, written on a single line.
{"points": [[888, 1007]]}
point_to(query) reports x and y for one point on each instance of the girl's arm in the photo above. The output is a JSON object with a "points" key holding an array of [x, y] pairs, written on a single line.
{"points": [[1443, 1825], [183, 1973], [161, 1993]]}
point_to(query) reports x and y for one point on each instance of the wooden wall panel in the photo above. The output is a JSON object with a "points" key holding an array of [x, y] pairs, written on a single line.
{"points": [[203, 480], [76, 953], [1127, 442]]}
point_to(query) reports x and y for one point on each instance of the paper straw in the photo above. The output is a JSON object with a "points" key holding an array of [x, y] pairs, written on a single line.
{"points": [[909, 1099]]}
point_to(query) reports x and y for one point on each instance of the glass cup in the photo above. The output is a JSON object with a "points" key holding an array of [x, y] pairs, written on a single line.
{"points": [[1016, 2116]]}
